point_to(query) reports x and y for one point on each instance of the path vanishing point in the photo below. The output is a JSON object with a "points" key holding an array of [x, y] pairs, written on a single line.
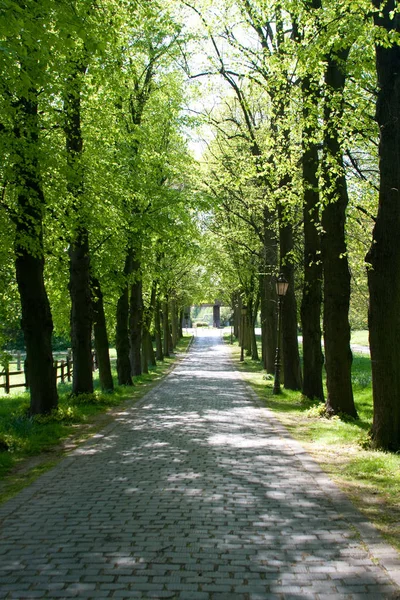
{"points": [[195, 493]]}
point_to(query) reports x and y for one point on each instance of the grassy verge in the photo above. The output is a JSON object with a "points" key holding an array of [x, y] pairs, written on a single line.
{"points": [[30, 446], [370, 478], [360, 337]]}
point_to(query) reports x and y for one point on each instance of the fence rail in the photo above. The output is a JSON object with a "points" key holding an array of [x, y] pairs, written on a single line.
{"points": [[63, 369]]}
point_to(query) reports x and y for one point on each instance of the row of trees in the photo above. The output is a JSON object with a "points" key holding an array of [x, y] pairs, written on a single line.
{"points": [[96, 206], [100, 214], [293, 169]]}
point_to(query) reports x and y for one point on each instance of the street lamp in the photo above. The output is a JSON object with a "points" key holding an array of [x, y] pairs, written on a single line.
{"points": [[243, 313], [281, 289]]}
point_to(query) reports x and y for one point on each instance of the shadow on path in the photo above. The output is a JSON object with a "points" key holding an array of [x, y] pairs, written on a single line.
{"points": [[193, 494]]}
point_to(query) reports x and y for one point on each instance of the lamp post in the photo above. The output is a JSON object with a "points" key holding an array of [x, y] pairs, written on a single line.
{"points": [[281, 289], [243, 324]]}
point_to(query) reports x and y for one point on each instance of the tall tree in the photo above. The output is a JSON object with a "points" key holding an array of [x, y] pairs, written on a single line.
{"points": [[101, 337], [313, 359], [26, 60], [338, 356], [79, 283], [384, 254]]}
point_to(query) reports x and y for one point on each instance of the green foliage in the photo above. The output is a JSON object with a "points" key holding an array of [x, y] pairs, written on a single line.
{"points": [[62, 414], [95, 399]]}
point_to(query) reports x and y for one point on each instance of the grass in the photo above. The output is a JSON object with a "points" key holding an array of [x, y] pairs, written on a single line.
{"points": [[341, 445], [360, 337], [29, 446]]}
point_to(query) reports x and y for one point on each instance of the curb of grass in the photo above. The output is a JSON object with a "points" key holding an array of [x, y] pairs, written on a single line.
{"points": [[31, 468], [379, 550]]}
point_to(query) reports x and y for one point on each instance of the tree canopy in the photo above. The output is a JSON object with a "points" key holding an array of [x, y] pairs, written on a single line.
{"points": [[159, 154]]}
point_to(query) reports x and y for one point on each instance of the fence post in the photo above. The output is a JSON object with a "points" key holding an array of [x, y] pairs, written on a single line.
{"points": [[55, 365], [68, 368], [26, 370], [62, 371], [7, 376], [18, 361]]}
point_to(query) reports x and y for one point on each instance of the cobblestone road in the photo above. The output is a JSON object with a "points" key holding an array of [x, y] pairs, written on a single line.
{"points": [[197, 493]]}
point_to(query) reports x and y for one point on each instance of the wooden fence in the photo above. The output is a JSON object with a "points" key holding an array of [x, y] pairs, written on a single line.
{"points": [[63, 369]]}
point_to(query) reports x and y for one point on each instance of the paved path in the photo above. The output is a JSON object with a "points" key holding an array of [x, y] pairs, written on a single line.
{"points": [[194, 494]]}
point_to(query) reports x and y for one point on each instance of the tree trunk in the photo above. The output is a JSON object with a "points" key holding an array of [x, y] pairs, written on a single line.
{"points": [[248, 321], [136, 321], [122, 333], [290, 345], [157, 331], [252, 316], [235, 314], [151, 356], [268, 322], [384, 255], [101, 338], [313, 358], [180, 325], [165, 322], [147, 345], [338, 356], [81, 314], [79, 284], [145, 353], [174, 322], [148, 356], [36, 323], [240, 322]]}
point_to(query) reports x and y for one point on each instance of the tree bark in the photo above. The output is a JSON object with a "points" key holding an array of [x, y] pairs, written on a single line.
{"points": [[149, 358], [236, 314], [290, 344], [174, 322], [122, 333], [165, 323], [157, 331], [79, 284], [145, 352], [136, 321], [36, 323], [180, 323], [268, 322], [101, 337], [311, 303], [81, 314], [338, 356], [384, 254], [251, 319]]}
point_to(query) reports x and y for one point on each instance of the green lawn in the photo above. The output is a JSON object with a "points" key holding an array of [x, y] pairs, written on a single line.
{"points": [[371, 478], [360, 337]]}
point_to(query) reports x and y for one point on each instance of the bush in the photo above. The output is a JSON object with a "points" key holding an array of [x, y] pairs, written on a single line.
{"points": [[67, 414]]}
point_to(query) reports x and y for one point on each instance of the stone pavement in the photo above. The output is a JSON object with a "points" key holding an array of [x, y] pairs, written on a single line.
{"points": [[196, 493]]}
